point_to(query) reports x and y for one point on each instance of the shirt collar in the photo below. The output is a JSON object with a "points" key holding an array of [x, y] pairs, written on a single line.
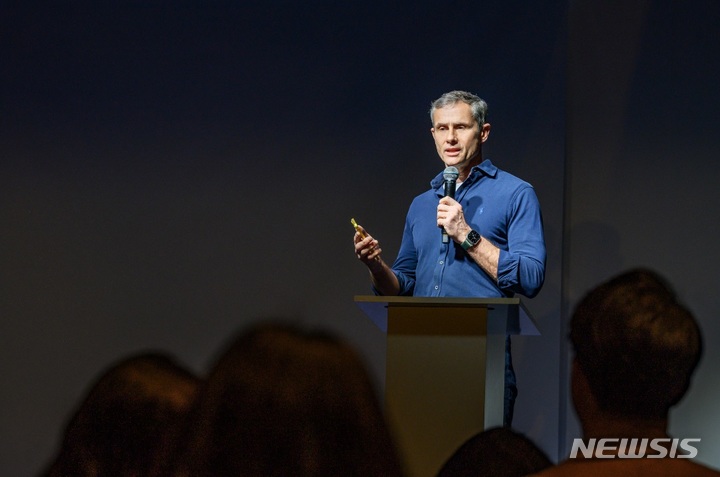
{"points": [[486, 168]]}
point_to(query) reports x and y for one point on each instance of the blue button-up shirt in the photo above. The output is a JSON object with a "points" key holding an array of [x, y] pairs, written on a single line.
{"points": [[503, 209]]}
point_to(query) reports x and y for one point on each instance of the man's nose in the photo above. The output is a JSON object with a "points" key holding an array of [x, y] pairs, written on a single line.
{"points": [[451, 135]]}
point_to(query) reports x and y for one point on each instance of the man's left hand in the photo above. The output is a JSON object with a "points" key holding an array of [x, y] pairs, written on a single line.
{"points": [[450, 216]]}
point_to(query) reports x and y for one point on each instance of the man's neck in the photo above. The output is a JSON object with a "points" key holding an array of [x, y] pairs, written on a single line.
{"points": [[464, 171], [625, 427]]}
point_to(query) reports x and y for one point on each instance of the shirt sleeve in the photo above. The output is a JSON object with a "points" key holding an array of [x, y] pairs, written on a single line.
{"points": [[521, 268], [405, 265]]}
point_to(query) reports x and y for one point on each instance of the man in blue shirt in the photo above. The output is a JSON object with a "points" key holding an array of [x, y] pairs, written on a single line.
{"points": [[496, 246]]}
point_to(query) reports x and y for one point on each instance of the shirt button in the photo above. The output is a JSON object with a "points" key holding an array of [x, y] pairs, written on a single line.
{"points": [[441, 262], [436, 287]]}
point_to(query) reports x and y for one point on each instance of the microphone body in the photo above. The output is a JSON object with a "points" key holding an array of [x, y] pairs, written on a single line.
{"points": [[450, 175]]}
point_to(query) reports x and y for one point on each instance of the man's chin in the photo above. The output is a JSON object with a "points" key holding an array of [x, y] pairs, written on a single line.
{"points": [[452, 161]]}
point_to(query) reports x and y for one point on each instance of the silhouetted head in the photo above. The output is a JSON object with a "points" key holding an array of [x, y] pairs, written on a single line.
{"points": [[497, 452], [636, 345], [281, 401], [128, 422]]}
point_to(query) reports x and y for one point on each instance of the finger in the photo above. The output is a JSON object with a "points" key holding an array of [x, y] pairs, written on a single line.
{"points": [[358, 238], [367, 243]]}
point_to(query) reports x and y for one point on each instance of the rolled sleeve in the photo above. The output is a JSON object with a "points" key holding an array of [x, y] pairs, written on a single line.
{"points": [[521, 268]]}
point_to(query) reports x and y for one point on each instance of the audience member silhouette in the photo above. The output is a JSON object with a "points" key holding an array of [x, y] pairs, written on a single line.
{"points": [[636, 347], [128, 423], [496, 452], [281, 401]]}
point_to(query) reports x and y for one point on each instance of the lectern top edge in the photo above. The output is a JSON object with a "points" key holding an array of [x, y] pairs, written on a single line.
{"points": [[411, 300], [507, 315]]}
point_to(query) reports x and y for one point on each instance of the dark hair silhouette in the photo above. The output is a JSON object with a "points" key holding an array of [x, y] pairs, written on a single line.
{"points": [[496, 452], [128, 422], [636, 344], [283, 402]]}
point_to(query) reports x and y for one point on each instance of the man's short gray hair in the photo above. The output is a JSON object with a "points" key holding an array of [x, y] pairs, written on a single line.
{"points": [[478, 106]]}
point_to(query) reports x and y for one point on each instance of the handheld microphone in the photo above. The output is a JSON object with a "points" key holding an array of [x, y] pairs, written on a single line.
{"points": [[450, 175]]}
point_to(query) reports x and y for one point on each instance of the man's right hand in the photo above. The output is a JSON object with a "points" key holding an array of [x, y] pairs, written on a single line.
{"points": [[367, 249]]}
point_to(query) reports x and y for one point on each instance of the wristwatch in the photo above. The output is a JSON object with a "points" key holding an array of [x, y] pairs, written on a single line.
{"points": [[472, 239]]}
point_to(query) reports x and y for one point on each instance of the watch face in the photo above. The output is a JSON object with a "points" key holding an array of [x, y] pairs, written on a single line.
{"points": [[471, 240]]}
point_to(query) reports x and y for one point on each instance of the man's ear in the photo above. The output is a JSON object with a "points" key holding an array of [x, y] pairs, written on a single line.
{"points": [[485, 132]]}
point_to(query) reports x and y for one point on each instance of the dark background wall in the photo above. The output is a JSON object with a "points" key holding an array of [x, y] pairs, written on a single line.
{"points": [[170, 174]]}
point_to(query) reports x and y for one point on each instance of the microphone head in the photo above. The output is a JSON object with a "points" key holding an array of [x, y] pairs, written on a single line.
{"points": [[450, 173]]}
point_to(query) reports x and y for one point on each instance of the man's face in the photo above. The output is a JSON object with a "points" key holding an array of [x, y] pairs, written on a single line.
{"points": [[458, 137]]}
